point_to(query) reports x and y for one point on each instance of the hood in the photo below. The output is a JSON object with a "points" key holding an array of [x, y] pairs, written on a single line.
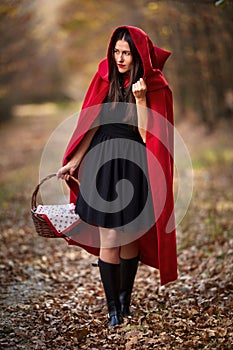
{"points": [[153, 57]]}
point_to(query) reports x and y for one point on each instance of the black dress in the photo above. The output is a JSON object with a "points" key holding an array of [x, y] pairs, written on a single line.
{"points": [[115, 190]]}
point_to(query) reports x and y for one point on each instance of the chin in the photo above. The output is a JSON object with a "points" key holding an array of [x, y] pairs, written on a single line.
{"points": [[123, 70]]}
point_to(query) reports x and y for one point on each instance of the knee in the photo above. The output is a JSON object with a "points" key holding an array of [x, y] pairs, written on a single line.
{"points": [[110, 255], [110, 239]]}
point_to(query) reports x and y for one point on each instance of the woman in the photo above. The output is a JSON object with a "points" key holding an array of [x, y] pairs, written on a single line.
{"points": [[115, 136]]}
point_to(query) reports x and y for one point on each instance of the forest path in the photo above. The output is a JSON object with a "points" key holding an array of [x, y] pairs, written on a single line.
{"points": [[51, 296]]}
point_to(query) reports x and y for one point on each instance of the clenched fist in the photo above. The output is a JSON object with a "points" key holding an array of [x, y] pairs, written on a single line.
{"points": [[139, 90]]}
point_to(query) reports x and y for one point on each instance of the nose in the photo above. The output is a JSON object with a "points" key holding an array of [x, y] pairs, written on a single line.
{"points": [[120, 57]]}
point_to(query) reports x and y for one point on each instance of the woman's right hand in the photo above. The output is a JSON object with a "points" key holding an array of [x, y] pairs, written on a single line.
{"points": [[67, 170]]}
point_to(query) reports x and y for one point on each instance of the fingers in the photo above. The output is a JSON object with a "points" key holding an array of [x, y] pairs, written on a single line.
{"points": [[139, 88], [139, 85], [63, 172]]}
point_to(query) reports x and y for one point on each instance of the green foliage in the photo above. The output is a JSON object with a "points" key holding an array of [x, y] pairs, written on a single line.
{"points": [[220, 3], [199, 69], [52, 49]]}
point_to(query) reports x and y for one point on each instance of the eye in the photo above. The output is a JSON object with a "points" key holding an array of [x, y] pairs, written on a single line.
{"points": [[127, 53], [115, 51]]}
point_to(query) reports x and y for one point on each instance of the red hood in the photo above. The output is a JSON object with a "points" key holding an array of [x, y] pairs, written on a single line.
{"points": [[157, 248], [153, 58]]}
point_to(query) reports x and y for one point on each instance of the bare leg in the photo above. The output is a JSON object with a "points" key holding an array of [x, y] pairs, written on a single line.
{"points": [[118, 267], [129, 250], [111, 248], [109, 245]]}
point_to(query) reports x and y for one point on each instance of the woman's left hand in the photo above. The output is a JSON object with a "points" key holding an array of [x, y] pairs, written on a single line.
{"points": [[139, 90]]}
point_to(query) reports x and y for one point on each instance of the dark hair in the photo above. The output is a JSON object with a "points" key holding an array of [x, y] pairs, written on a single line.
{"points": [[115, 92]]}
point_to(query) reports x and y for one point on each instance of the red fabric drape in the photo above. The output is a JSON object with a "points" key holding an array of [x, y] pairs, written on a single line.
{"points": [[158, 245]]}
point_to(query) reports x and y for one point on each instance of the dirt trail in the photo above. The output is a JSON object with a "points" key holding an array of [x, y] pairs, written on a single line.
{"points": [[51, 296]]}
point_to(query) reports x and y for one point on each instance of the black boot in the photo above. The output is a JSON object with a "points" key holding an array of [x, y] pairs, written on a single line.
{"points": [[110, 276], [128, 272]]}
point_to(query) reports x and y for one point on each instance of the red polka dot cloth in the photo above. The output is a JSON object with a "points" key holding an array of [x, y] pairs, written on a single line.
{"points": [[61, 218]]}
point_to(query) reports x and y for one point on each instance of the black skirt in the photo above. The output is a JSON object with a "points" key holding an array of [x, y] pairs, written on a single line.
{"points": [[115, 189]]}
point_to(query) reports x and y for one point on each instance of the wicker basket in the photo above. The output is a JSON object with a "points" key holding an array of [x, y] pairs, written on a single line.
{"points": [[42, 227]]}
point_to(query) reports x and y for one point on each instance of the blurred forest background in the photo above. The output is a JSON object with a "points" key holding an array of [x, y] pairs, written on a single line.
{"points": [[50, 295], [50, 50]]}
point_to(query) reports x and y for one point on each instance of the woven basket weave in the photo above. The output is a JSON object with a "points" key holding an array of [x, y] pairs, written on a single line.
{"points": [[42, 227]]}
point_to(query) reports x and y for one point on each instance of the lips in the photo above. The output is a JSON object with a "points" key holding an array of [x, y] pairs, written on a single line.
{"points": [[121, 65]]}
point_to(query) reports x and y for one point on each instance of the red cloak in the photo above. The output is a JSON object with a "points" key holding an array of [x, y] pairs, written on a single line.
{"points": [[158, 245]]}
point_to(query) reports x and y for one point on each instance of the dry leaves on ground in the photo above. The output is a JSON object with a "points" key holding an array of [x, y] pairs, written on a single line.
{"points": [[52, 297]]}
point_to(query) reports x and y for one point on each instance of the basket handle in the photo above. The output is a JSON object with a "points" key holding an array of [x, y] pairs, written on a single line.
{"points": [[34, 195]]}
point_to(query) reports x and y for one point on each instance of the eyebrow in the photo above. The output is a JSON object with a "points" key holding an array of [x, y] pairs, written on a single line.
{"points": [[122, 50]]}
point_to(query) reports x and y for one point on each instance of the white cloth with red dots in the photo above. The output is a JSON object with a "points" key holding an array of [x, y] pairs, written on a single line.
{"points": [[61, 218]]}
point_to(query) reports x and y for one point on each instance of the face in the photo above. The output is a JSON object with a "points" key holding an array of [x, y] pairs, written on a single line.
{"points": [[123, 56]]}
